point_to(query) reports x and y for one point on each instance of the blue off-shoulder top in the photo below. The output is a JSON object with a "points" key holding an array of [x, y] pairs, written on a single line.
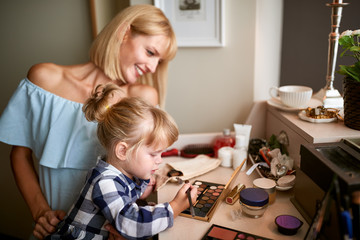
{"points": [[62, 140]]}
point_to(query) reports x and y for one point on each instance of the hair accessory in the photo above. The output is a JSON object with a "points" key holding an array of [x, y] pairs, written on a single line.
{"points": [[107, 107]]}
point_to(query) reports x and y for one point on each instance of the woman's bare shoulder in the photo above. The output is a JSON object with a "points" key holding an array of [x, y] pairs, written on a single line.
{"points": [[45, 75], [146, 92]]}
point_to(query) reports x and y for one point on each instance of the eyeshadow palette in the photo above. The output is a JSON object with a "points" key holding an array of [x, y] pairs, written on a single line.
{"points": [[218, 232], [209, 195]]}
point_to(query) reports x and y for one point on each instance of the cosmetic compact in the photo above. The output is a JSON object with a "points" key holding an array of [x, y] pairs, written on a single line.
{"points": [[288, 224], [253, 202]]}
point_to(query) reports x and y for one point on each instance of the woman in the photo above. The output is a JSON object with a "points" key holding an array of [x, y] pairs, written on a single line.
{"points": [[44, 115]]}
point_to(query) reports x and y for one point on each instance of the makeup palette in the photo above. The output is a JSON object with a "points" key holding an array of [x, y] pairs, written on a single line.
{"points": [[207, 200], [218, 232], [210, 195]]}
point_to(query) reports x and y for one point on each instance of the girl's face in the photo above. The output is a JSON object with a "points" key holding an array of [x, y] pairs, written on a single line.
{"points": [[145, 161], [141, 54]]}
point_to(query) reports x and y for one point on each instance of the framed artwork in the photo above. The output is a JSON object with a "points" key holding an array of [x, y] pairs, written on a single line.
{"points": [[197, 23]]}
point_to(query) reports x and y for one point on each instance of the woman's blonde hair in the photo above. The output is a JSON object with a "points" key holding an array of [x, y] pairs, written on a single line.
{"points": [[146, 20], [130, 120]]}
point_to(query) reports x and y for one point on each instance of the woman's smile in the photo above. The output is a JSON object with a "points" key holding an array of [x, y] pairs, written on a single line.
{"points": [[141, 54]]}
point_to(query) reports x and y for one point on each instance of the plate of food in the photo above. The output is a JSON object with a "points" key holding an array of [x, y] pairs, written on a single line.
{"points": [[319, 115]]}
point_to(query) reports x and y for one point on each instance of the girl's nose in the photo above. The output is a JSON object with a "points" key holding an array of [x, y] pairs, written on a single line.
{"points": [[158, 160]]}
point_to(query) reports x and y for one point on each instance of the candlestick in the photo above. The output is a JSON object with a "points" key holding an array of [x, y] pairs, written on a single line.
{"points": [[330, 96]]}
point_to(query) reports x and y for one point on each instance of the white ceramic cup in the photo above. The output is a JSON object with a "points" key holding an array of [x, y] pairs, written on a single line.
{"points": [[292, 95]]}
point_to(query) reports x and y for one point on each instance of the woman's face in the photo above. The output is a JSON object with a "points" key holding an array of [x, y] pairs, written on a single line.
{"points": [[141, 54]]}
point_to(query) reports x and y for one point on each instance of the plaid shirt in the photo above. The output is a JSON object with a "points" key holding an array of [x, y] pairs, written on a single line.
{"points": [[109, 196]]}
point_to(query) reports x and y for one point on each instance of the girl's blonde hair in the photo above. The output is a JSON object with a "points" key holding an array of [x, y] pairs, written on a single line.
{"points": [[130, 120], [146, 20]]}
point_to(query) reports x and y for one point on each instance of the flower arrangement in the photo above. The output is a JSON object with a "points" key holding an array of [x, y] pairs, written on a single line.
{"points": [[350, 41]]}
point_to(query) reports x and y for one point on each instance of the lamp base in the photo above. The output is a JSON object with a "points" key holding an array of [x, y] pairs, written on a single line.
{"points": [[330, 98]]}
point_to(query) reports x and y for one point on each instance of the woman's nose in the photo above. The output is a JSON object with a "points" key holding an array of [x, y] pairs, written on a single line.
{"points": [[152, 65]]}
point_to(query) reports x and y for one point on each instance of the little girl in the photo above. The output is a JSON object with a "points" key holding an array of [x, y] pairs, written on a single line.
{"points": [[134, 135]]}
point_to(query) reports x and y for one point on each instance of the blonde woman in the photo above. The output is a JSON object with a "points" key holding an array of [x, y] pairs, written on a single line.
{"points": [[134, 135], [44, 117]]}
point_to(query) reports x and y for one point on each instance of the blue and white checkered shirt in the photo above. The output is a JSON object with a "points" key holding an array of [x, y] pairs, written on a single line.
{"points": [[109, 197]]}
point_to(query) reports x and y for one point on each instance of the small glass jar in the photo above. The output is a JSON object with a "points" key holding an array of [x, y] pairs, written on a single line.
{"points": [[253, 202], [268, 185]]}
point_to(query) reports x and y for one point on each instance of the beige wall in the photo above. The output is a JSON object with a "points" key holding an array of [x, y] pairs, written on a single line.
{"points": [[209, 88]]}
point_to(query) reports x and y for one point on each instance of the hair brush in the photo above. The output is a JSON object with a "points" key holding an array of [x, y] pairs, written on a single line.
{"points": [[190, 151]]}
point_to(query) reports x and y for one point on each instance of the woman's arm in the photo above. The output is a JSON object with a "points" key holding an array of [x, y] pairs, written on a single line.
{"points": [[28, 183]]}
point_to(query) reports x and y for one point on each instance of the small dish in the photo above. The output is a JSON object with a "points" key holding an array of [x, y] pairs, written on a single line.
{"points": [[302, 115], [284, 188], [287, 224]]}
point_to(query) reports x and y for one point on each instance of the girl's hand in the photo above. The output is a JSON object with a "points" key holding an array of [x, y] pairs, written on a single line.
{"points": [[181, 201], [113, 234], [46, 224], [150, 188]]}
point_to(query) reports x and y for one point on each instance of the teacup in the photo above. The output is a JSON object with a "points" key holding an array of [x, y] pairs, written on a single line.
{"points": [[292, 95]]}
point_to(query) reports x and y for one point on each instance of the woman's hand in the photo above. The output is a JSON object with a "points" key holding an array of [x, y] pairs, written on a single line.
{"points": [[46, 224], [28, 183], [113, 234]]}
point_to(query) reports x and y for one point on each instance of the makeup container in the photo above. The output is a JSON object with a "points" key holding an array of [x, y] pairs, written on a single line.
{"points": [[220, 232], [268, 185], [207, 200], [233, 196], [253, 202], [240, 153], [226, 140], [225, 155], [288, 224]]}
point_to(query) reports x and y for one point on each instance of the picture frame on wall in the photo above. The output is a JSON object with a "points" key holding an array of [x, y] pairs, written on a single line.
{"points": [[197, 23]]}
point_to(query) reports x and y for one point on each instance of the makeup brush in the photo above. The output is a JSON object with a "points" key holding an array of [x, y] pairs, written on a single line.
{"points": [[192, 211]]}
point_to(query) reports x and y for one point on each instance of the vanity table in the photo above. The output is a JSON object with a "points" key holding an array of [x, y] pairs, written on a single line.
{"points": [[299, 133], [188, 228]]}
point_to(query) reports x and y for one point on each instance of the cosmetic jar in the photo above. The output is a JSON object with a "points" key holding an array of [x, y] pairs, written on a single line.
{"points": [[253, 202], [268, 185], [288, 224], [225, 155]]}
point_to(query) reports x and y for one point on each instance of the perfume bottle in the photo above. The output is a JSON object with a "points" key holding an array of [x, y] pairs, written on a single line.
{"points": [[226, 140]]}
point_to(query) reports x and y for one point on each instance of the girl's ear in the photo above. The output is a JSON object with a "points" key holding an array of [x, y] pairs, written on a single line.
{"points": [[120, 150]]}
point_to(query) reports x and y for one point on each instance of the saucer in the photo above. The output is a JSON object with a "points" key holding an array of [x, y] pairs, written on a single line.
{"points": [[302, 115], [276, 102]]}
